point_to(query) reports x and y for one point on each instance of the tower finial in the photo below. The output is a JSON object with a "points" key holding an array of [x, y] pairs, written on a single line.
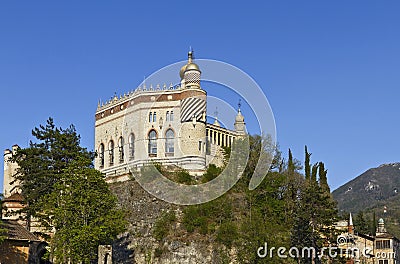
{"points": [[216, 123], [239, 104], [190, 55]]}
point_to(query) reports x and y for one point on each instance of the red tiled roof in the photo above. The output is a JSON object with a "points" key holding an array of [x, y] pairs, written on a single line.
{"points": [[15, 197], [15, 231]]}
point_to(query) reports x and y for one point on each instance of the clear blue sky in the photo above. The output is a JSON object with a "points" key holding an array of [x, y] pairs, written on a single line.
{"points": [[330, 69]]}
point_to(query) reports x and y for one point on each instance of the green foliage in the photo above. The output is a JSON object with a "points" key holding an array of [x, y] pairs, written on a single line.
{"points": [[361, 224], [323, 180], [41, 165], [307, 166], [203, 217], [163, 225], [2, 230], [373, 225], [65, 193], [159, 167], [158, 252], [182, 176], [286, 209], [211, 173], [227, 152], [227, 233], [84, 214], [315, 214]]}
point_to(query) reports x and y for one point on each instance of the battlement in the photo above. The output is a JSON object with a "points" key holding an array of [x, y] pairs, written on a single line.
{"points": [[115, 100]]}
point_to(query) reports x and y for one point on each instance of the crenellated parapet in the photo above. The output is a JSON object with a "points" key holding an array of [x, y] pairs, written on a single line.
{"points": [[160, 123], [115, 100]]}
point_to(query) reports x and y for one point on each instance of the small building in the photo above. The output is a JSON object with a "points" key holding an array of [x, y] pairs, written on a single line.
{"points": [[20, 245], [387, 246], [355, 247], [383, 248]]}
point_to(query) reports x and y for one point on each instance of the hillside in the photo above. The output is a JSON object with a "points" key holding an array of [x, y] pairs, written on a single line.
{"points": [[374, 188]]}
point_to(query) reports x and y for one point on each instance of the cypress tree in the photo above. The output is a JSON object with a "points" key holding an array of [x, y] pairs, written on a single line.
{"points": [[323, 180], [291, 166], [307, 166], [314, 172], [373, 231]]}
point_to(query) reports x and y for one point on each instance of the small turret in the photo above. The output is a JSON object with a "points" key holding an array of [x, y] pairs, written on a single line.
{"points": [[216, 123], [190, 73], [240, 125], [381, 226]]}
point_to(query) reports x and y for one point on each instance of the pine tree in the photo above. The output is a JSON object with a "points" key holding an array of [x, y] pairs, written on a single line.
{"points": [[63, 192], [41, 164]]}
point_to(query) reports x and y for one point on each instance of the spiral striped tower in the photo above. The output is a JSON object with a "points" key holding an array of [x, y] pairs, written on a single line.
{"points": [[193, 111]]}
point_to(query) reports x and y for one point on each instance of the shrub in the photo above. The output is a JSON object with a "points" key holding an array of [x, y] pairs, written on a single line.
{"points": [[163, 225], [227, 233]]}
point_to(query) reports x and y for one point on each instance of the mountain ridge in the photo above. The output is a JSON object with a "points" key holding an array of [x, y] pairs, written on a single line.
{"points": [[369, 189]]}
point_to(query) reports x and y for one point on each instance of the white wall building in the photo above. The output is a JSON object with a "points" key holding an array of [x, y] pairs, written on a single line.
{"points": [[164, 124]]}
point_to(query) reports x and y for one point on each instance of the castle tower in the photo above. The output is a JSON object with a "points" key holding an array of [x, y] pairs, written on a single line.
{"points": [[9, 170], [193, 109], [240, 125]]}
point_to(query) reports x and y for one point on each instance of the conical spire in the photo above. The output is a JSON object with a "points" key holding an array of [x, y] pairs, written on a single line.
{"points": [[240, 125], [350, 225]]}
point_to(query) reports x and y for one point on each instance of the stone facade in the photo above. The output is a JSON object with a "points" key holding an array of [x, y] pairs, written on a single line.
{"points": [[165, 125], [9, 170]]}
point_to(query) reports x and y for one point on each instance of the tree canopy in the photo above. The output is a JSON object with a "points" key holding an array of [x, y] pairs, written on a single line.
{"points": [[64, 194]]}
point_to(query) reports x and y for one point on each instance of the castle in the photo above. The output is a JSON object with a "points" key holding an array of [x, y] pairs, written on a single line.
{"points": [[167, 125]]}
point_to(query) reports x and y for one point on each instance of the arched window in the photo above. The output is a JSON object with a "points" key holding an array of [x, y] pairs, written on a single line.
{"points": [[150, 117], [111, 152], [167, 116], [131, 146], [154, 117], [101, 155], [153, 143], [171, 116], [121, 149], [169, 141]]}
